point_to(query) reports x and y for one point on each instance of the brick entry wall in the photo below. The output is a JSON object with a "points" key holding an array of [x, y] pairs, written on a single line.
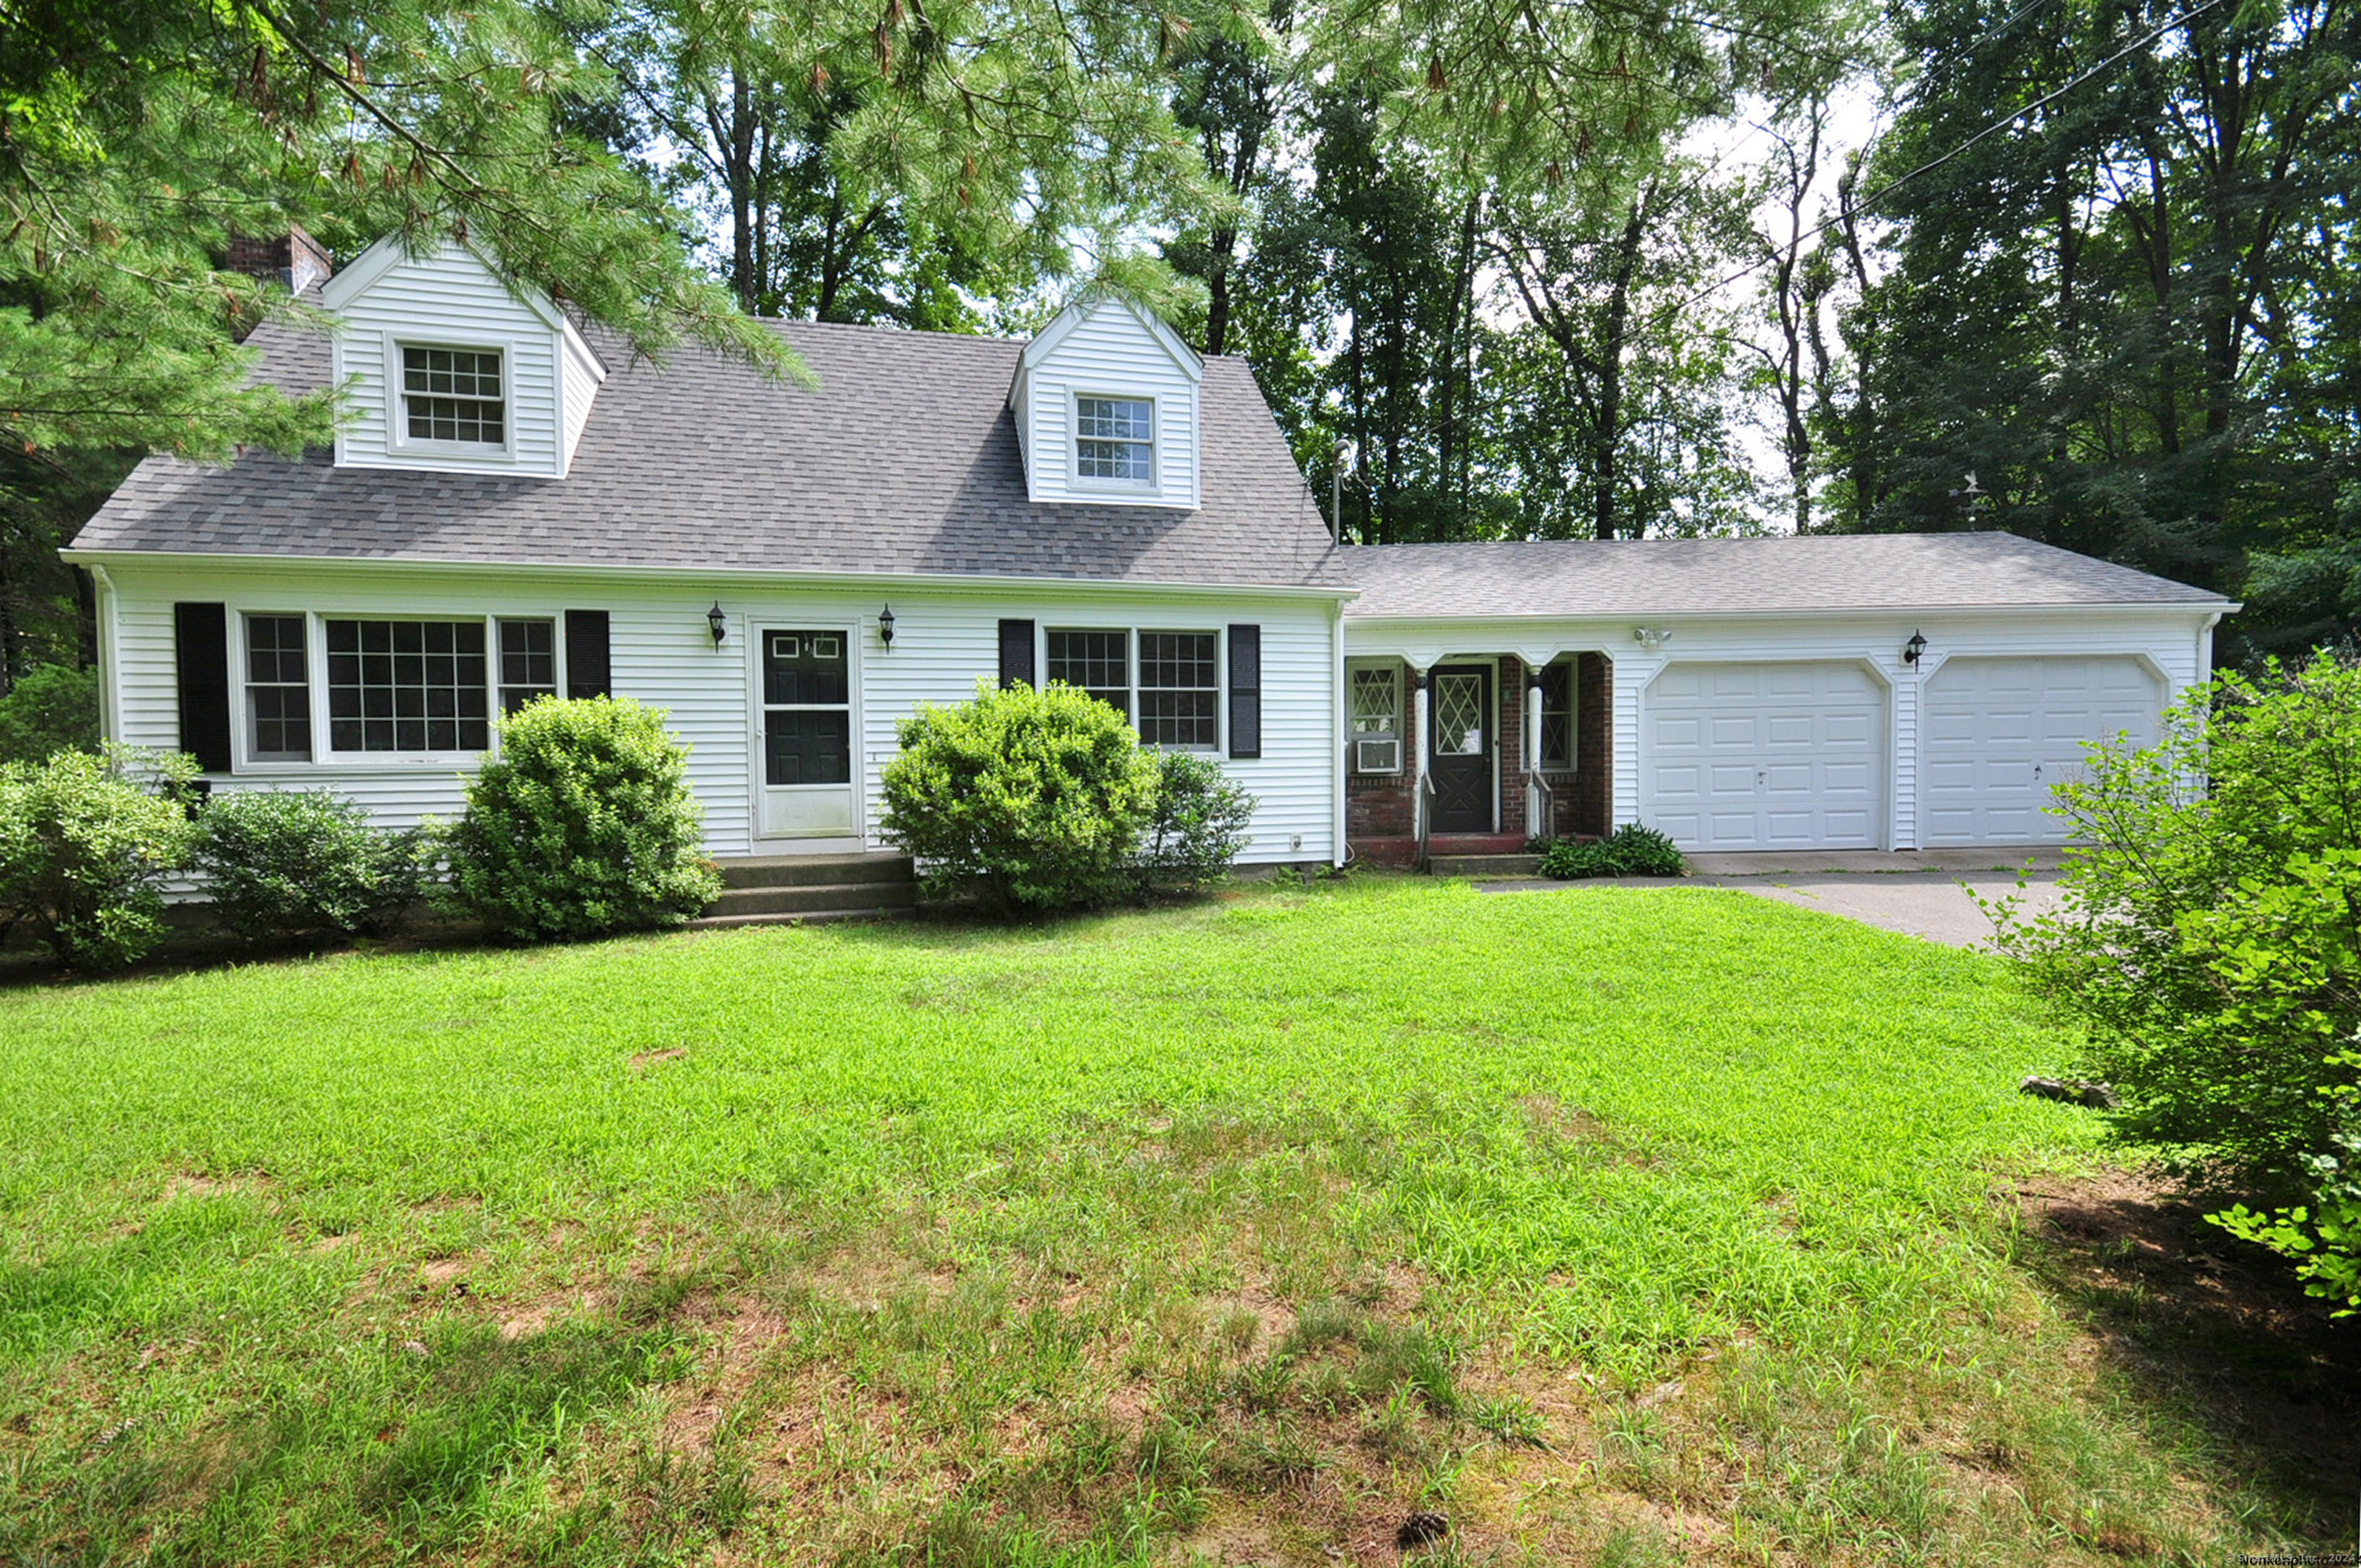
{"points": [[1380, 807]]}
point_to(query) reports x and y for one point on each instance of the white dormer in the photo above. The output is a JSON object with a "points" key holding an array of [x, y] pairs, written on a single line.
{"points": [[451, 370], [1107, 405]]}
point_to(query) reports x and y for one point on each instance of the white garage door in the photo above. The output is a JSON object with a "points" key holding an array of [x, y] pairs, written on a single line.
{"points": [[1764, 756], [1997, 735]]}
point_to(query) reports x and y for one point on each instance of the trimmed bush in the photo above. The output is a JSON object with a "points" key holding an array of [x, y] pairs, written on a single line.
{"points": [[1030, 800], [1198, 827], [51, 708], [2209, 939], [583, 825], [293, 862], [86, 841], [1630, 850]]}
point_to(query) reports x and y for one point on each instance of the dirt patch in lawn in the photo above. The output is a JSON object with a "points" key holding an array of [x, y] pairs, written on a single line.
{"points": [[2216, 1328]]}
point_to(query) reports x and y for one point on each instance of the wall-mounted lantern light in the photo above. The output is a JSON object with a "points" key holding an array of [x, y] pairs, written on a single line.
{"points": [[716, 622], [885, 626], [1912, 650]]}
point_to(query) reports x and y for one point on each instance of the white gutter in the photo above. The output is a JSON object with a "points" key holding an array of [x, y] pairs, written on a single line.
{"points": [[971, 582]]}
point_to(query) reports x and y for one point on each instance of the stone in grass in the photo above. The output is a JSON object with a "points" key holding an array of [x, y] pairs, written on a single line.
{"points": [[2071, 1091], [1422, 1529]]}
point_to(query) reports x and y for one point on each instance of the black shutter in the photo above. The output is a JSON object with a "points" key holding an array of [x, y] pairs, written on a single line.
{"points": [[1016, 653], [1246, 691], [588, 671], [201, 647]]}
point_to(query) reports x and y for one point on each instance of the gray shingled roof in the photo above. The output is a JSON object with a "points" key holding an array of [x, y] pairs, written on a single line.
{"points": [[904, 461], [1707, 576]]}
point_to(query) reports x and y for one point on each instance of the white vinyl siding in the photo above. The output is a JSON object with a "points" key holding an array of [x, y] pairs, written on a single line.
{"points": [[1108, 354], [664, 655]]}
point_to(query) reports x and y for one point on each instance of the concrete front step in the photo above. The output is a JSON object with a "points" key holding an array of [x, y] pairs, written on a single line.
{"points": [[1480, 867], [814, 870], [810, 898], [805, 917]]}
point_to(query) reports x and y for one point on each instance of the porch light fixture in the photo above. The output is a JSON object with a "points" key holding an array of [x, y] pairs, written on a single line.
{"points": [[885, 626], [1652, 637], [1914, 648], [716, 622]]}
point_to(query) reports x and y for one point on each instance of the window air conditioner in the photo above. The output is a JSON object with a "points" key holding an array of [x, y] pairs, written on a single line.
{"points": [[1379, 756]]}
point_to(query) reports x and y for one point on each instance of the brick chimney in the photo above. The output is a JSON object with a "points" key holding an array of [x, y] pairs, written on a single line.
{"points": [[293, 260]]}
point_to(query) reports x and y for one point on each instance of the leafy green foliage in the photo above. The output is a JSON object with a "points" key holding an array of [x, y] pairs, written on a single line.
{"points": [[1630, 850], [1198, 827], [86, 840], [584, 824], [52, 708], [2211, 940], [1030, 800], [289, 862]]}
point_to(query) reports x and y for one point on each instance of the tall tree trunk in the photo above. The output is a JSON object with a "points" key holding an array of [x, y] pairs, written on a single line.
{"points": [[1607, 426]]}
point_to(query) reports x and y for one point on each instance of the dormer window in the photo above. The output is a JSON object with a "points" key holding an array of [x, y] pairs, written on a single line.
{"points": [[454, 395], [1115, 441]]}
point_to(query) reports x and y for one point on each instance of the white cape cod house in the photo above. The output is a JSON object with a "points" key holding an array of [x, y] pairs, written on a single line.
{"points": [[516, 507]]}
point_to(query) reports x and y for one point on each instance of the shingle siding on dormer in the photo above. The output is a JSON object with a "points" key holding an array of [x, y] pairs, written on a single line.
{"points": [[1106, 350], [448, 297]]}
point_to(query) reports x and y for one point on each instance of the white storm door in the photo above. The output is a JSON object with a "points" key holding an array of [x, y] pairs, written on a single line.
{"points": [[1764, 756], [1998, 735], [805, 724]]}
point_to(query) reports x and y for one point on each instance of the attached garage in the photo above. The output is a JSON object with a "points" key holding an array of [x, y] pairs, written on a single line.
{"points": [[1997, 735], [1765, 756]]}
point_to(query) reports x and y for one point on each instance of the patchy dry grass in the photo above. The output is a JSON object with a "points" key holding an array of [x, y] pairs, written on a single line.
{"points": [[1615, 1227]]}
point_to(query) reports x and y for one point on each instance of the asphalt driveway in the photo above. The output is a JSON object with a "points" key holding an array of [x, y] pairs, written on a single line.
{"points": [[1893, 893]]}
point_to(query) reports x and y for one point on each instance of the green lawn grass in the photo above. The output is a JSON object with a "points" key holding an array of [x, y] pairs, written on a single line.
{"points": [[1617, 1225]]}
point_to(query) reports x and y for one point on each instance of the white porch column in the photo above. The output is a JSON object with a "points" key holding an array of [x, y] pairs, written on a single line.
{"points": [[1535, 827], [1417, 756]]}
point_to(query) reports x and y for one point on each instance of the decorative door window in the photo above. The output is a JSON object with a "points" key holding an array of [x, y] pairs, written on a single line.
{"points": [[1458, 715]]}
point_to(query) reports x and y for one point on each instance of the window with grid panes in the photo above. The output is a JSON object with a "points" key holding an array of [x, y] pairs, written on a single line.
{"points": [[1179, 682], [407, 685], [1114, 439], [1096, 661], [454, 394], [528, 661], [278, 690], [1557, 716]]}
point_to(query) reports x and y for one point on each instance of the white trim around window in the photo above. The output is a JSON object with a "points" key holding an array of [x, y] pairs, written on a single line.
{"points": [[1118, 427], [398, 442], [1362, 719], [326, 757]]}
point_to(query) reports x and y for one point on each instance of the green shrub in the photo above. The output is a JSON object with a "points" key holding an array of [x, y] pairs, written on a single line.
{"points": [[51, 708], [1630, 850], [2209, 937], [286, 862], [583, 825], [86, 841], [1030, 800], [1198, 827]]}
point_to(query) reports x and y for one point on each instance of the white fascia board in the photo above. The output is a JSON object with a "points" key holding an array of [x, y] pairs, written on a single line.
{"points": [[996, 584], [2193, 607], [343, 288]]}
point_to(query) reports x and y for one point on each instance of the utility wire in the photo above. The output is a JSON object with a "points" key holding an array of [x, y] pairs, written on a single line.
{"points": [[1866, 202]]}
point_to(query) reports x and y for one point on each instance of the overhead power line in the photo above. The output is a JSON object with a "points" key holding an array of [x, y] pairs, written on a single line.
{"points": [[1869, 202]]}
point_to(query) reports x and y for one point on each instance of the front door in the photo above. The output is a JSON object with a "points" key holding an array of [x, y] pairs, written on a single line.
{"points": [[1460, 759], [806, 719]]}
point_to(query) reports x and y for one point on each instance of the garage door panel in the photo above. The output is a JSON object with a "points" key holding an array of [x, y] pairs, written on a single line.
{"points": [[2000, 735], [1787, 755]]}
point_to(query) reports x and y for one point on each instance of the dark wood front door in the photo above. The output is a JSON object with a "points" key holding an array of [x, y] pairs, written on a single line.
{"points": [[1459, 747]]}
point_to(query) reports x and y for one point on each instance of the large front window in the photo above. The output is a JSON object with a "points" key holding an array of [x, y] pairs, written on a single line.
{"points": [[1179, 677], [1115, 439], [454, 395], [410, 686]]}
